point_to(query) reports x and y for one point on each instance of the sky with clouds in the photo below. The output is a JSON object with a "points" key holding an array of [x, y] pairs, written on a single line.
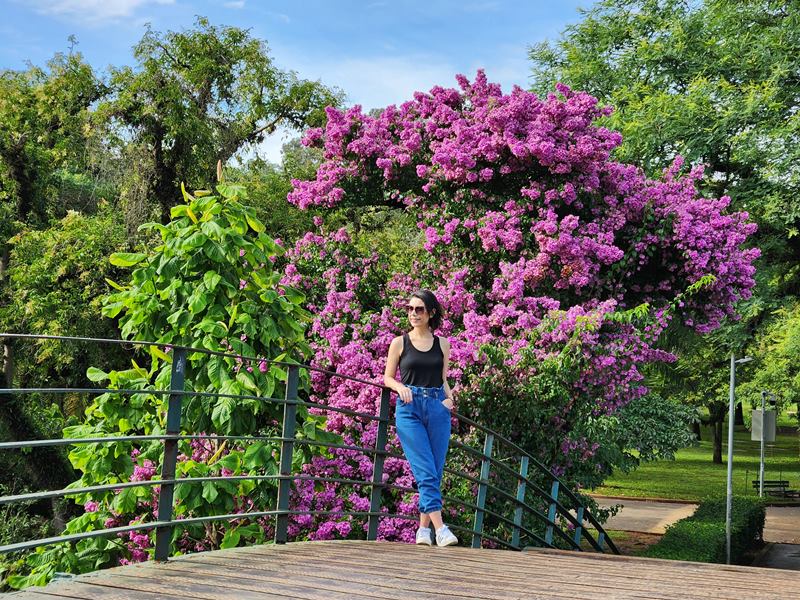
{"points": [[378, 51]]}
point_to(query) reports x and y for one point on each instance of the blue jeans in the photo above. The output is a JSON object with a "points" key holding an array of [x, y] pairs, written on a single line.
{"points": [[423, 426]]}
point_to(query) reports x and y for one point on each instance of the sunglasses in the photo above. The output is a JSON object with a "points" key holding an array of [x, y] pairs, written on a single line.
{"points": [[415, 309]]}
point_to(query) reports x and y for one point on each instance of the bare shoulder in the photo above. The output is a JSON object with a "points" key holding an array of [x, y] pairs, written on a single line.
{"points": [[397, 343], [444, 343]]}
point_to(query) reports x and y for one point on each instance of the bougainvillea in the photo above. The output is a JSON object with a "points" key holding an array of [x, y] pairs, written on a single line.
{"points": [[534, 239]]}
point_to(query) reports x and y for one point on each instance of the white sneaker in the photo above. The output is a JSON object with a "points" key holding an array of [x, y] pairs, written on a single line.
{"points": [[445, 537], [424, 536]]}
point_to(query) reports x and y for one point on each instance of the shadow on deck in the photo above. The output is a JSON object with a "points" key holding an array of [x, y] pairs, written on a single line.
{"points": [[351, 569]]}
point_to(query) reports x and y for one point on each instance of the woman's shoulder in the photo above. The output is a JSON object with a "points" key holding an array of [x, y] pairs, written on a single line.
{"points": [[443, 342], [398, 341]]}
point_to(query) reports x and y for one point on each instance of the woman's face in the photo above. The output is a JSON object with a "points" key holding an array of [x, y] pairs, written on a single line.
{"points": [[417, 313]]}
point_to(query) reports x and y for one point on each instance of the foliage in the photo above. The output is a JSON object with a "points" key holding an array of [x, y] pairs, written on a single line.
{"points": [[713, 81], [778, 346], [531, 232], [199, 96], [210, 284], [701, 537], [56, 284], [43, 118], [18, 524], [646, 429]]}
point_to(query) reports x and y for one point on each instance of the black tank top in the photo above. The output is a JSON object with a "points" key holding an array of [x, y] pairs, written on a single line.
{"points": [[421, 369]]}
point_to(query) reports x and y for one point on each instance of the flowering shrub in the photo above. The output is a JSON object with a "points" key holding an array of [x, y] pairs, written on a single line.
{"points": [[535, 241]]}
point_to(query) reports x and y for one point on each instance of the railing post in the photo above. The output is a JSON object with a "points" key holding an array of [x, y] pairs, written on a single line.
{"points": [[579, 527], [170, 458], [377, 468], [287, 450], [483, 486], [551, 514], [601, 540], [523, 473]]}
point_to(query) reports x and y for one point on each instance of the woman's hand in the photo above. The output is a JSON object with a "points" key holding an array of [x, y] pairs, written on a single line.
{"points": [[405, 394], [448, 402]]}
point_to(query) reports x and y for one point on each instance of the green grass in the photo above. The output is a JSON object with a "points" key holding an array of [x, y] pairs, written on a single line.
{"points": [[692, 476]]}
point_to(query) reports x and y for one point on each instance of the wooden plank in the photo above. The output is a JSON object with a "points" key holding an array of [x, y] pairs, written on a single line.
{"points": [[476, 580], [84, 591], [384, 584], [240, 588], [322, 577], [572, 577], [31, 595], [196, 587], [392, 571]]}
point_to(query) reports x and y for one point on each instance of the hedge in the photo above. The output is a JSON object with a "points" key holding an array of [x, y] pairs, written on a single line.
{"points": [[701, 537]]}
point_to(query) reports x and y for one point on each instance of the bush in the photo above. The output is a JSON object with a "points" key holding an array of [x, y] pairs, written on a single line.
{"points": [[701, 537]]}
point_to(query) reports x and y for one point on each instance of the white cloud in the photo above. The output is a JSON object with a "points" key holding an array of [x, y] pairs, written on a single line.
{"points": [[281, 17], [376, 82], [236, 4], [92, 11]]}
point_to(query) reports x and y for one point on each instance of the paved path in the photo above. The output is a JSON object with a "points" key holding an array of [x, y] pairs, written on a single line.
{"points": [[647, 517]]}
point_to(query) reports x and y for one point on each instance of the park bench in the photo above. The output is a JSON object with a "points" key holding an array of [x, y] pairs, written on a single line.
{"points": [[777, 487]]}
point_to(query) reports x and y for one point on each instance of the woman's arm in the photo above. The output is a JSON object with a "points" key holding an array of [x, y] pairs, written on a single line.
{"points": [[449, 399], [395, 349]]}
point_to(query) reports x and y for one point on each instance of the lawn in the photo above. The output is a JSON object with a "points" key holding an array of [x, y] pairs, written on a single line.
{"points": [[692, 476]]}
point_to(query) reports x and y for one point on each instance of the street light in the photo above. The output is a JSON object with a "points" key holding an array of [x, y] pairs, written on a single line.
{"points": [[731, 410]]}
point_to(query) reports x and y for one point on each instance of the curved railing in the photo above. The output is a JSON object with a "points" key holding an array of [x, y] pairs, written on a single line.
{"points": [[538, 510]]}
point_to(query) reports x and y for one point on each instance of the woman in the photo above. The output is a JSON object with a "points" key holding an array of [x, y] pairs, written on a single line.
{"points": [[423, 410]]}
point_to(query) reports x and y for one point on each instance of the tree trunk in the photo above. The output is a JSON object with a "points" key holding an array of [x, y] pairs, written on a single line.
{"points": [[739, 415], [696, 429], [716, 420], [717, 457]]}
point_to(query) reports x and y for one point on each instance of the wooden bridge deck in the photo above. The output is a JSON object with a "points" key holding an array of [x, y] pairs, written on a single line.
{"points": [[354, 570]]}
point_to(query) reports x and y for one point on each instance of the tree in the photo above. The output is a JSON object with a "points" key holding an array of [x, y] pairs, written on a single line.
{"points": [[197, 97], [715, 82], [559, 268], [44, 114]]}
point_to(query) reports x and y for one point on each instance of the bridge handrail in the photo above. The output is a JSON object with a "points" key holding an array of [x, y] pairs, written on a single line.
{"points": [[165, 523]]}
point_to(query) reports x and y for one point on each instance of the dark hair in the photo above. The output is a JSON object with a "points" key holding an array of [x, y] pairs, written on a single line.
{"points": [[432, 306]]}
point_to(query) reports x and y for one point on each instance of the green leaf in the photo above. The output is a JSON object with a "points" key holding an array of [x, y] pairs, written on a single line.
{"points": [[210, 491], [254, 223], [230, 539], [232, 191], [95, 374], [125, 501], [257, 455], [246, 380], [114, 285], [126, 259], [231, 461], [221, 415], [211, 279]]}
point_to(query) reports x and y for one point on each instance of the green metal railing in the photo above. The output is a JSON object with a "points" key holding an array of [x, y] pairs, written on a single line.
{"points": [[518, 511]]}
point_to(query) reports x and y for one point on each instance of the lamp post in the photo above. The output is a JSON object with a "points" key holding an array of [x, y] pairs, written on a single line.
{"points": [[731, 411]]}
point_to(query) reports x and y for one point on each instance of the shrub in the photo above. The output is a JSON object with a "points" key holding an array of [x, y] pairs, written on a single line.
{"points": [[701, 537]]}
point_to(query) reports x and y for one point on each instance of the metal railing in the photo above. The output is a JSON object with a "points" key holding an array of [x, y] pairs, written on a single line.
{"points": [[537, 510]]}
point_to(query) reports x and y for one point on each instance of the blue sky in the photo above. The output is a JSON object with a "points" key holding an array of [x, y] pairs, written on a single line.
{"points": [[377, 51]]}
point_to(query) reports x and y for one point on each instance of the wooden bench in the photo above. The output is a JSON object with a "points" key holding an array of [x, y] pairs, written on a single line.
{"points": [[776, 487]]}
